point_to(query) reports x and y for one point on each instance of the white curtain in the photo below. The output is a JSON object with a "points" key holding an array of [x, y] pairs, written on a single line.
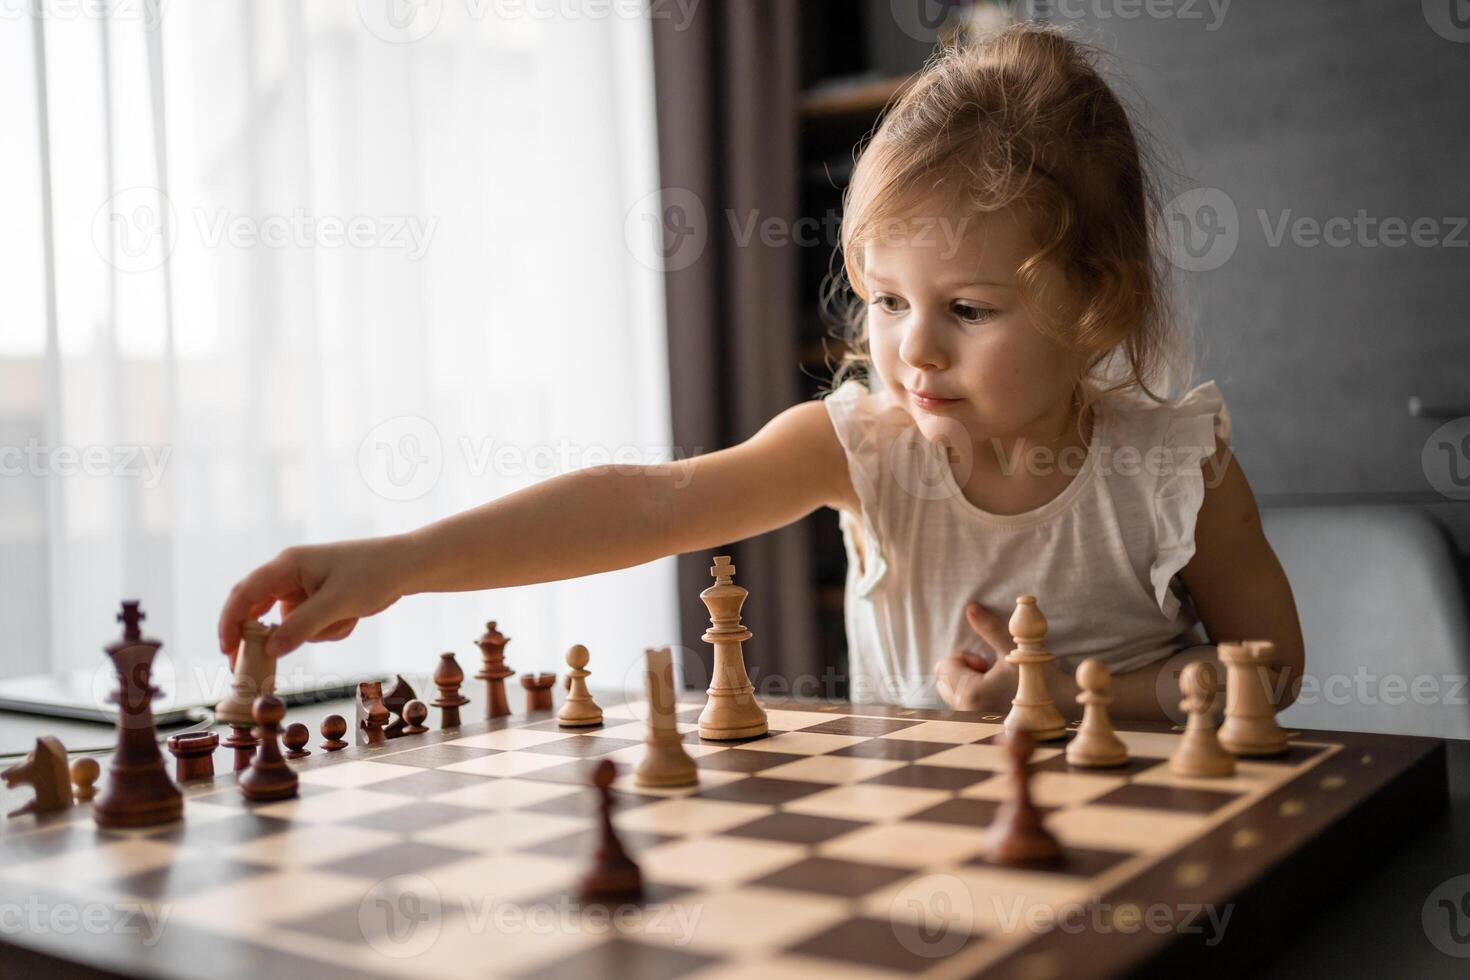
{"points": [[282, 271]]}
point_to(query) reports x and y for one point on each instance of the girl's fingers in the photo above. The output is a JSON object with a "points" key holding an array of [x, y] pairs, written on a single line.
{"points": [[990, 628]]}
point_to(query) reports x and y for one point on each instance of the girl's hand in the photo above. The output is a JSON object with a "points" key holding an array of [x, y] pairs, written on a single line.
{"points": [[323, 591], [971, 681]]}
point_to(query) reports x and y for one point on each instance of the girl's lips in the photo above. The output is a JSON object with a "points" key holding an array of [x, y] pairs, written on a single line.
{"points": [[930, 403]]}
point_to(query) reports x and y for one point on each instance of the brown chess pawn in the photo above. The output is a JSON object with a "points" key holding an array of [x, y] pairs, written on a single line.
{"points": [[84, 773], [397, 695], [415, 713], [1017, 836], [613, 875], [269, 777], [448, 676], [296, 737], [333, 728]]}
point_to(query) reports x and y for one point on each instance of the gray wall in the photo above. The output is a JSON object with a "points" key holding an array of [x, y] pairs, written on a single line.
{"points": [[1319, 109]]}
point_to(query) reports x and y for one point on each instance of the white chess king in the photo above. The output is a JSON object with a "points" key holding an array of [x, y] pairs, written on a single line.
{"points": [[731, 711]]}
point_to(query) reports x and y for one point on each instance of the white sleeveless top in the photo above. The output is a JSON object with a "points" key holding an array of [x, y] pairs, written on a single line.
{"points": [[1101, 557]]}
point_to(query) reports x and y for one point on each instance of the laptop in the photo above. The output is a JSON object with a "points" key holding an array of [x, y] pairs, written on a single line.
{"points": [[189, 688]]}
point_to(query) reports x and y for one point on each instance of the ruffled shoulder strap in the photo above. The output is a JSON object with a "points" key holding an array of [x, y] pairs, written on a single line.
{"points": [[864, 424], [1176, 441]]}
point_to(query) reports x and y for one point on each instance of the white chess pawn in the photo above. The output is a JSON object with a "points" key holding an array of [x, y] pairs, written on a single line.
{"points": [[579, 710], [1200, 754], [1096, 745]]}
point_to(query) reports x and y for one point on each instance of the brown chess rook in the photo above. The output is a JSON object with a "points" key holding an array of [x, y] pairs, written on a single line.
{"points": [[333, 728], [493, 670], [372, 714], [139, 792], [269, 777], [538, 691], [448, 676], [193, 755]]}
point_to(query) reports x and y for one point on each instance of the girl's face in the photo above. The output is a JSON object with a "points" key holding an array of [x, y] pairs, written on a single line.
{"points": [[950, 338]]}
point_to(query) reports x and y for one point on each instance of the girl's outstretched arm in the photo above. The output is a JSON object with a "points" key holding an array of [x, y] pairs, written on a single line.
{"points": [[579, 523]]}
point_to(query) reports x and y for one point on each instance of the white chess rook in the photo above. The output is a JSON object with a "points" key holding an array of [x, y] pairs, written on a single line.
{"points": [[731, 711], [1250, 727], [1032, 709], [665, 763]]}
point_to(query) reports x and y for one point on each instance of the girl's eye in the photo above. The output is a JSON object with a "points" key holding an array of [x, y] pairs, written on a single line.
{"points": [[882, 303], [973, 314]]}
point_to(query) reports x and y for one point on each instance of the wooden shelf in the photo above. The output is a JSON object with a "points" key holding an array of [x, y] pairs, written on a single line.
{"points": [[858, 97]]}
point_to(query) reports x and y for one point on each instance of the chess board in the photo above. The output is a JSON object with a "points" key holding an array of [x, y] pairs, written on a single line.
{"points": [[846, 843]]}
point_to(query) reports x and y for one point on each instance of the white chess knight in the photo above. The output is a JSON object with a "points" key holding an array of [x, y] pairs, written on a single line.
{"points": [[732, 711]]}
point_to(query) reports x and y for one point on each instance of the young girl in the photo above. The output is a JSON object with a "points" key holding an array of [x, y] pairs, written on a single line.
{"points": [[996, 431]]}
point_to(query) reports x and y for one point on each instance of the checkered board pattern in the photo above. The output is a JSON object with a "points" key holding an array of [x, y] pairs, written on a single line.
{"points": [[847, 842]]}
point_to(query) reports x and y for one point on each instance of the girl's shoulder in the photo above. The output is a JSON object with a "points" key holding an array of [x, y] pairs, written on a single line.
{"points": [[1194, 420]]}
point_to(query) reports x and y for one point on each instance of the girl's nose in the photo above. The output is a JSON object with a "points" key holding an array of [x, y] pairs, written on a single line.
{"points": [[922, 348]]}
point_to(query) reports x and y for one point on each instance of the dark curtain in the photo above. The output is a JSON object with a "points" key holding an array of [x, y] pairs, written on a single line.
{"points": [[726, 84]]}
